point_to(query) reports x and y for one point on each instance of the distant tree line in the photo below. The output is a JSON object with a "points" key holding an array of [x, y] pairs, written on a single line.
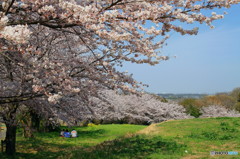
{"points": [[229, 101]]}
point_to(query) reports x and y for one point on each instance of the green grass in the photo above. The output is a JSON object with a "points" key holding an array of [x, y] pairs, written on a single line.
{"points": [[204, 135], [139, 146], [50, 145], [191, 138], [89, 136]]}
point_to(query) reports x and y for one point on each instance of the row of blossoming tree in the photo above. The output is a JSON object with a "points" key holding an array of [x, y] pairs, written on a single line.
{"points": [[54, 51], [150, 108]]}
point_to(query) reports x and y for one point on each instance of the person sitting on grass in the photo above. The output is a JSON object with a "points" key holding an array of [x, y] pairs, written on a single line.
{"points": [[74, 133], [67, 134], [62, 133]]}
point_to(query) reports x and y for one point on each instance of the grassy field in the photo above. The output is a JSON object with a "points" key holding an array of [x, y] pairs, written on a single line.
{"points": [[202, 136], [192, 138]]}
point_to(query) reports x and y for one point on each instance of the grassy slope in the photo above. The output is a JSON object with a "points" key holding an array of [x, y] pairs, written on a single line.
{"points": [[202, 136], [192, 138]]}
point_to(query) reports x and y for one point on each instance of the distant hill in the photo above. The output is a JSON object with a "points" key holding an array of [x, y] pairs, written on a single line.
{"points": [[181, 96]]}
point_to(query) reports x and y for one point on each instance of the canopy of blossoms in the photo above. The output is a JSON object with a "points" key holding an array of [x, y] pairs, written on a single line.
{"points": [[56, 47]]}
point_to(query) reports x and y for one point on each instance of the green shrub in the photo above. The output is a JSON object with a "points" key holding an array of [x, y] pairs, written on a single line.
{"points": [[187, 102], [219, 99], [237, 106], [193, 111], [236, 94], [192, 107]]}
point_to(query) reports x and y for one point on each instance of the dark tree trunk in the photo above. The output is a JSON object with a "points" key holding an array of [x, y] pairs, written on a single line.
{"points": [[35, 118], [49, 127], [11, 124], [11, 139]]}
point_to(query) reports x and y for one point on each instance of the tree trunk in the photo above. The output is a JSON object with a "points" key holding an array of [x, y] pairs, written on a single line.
{"points": [[11, 124], [35, 119], [49, 127], [27, 130], [11, 139]]}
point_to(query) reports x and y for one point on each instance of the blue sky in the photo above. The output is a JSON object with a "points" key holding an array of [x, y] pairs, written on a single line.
{"points": [[206, 63]]}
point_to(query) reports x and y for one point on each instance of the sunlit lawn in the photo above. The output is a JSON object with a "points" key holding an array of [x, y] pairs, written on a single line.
{"points": [[191, 138], [203, 135]]}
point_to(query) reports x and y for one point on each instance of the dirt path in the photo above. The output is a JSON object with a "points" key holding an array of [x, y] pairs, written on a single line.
{"points": [[152, 129]]}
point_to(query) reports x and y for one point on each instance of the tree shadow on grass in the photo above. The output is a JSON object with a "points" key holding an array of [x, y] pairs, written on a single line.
{"points": [[38, 149], [44, 146], [35, 148], [136, 147]]}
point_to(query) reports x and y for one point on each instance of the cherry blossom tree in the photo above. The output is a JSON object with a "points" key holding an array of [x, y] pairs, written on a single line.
{"points": [[218, 111], [145, 109], [53, 50]]}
